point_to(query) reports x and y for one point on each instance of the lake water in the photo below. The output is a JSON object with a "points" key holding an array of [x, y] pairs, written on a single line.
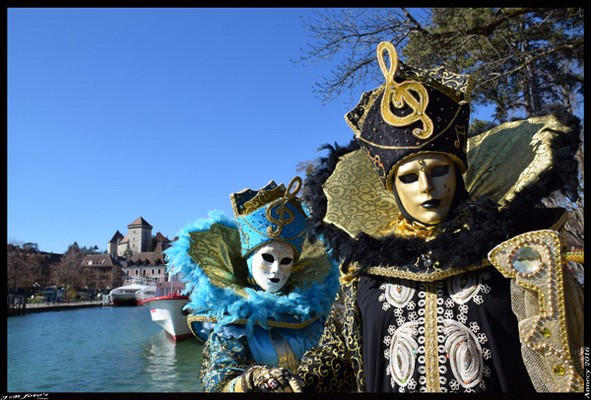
{"points": [[99, 349]]}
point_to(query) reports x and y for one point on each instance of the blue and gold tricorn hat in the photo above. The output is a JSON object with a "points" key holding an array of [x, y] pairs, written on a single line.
{"points": [[272, 213]]}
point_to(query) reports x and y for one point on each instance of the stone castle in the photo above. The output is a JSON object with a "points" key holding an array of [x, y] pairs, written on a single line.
{"points": [[132, 255], [137, 240]]}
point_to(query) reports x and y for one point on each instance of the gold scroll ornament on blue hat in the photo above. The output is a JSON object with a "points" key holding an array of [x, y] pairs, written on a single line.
{"points": [[272, 213]]}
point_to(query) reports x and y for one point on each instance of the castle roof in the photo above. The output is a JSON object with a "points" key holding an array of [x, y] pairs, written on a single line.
{"points": [[161, 238], [116, 236], [139, 223], [149, 257]]}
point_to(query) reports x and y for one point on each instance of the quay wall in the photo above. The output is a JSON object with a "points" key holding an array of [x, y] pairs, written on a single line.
{"points": [[22, 309]]}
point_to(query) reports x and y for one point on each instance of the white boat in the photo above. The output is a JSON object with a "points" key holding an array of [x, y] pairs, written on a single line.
{"points": [[145, 293], [166, 309], [125, 295]]}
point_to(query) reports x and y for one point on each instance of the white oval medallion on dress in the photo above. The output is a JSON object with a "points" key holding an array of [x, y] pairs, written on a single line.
{"points": [[464, 287], [399, 294], [403, 353], [465, 353]]}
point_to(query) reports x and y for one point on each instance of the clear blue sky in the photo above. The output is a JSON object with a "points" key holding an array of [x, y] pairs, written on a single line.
{"points": [[161, 113]]}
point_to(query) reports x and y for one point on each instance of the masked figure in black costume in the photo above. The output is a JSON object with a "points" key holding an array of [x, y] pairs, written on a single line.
{"points": [[453, 272]]}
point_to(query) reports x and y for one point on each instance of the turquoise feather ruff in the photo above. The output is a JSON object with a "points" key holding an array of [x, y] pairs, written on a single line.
{"points": [[227, 306]]}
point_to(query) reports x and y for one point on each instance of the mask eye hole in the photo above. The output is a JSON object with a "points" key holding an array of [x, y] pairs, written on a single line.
{"points": [[268, 257], [286, 260], [408, 178], [439, 170]]}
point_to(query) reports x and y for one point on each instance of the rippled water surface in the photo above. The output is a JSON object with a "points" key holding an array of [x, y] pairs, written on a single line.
{"points": [[109, 349]]}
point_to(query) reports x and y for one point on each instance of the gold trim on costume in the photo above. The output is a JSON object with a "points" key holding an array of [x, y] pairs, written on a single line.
{"points": [[279, 206], [266, 233], [264, 196], [394, 272], [431, 351], [533, 261], [242, 321], [285, 354], [573, 255]]}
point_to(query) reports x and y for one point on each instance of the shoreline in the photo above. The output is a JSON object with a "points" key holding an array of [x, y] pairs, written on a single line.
{"points": [[24, 309]]}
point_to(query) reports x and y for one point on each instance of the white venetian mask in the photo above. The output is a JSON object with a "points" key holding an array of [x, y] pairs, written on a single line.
{"points": [[272, 264]]}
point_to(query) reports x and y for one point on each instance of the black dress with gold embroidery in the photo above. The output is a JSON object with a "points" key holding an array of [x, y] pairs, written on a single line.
{"points": [[466, 310], [473, 322]]}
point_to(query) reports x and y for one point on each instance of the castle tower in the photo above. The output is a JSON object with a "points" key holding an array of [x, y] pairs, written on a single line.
{"points": [[139, 234], [113, 244]]}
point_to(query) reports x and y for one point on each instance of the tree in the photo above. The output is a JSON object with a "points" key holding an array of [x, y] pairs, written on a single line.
{"points": [[306, 168], [68, 272], [90, 250], [520, 58], [127, 253], [29, 246], [24, 266]]}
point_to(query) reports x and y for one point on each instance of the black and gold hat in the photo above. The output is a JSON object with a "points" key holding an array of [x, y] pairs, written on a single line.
{"points": [[414, 111]]}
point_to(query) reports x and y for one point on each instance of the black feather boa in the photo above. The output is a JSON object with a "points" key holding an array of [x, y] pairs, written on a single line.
{"points": [[455, 246]]}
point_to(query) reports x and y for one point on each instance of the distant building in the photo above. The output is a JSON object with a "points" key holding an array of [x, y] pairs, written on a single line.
{"points": [[100, 270], [138, 238], [129, 256], [148, 264], [113, 244]]}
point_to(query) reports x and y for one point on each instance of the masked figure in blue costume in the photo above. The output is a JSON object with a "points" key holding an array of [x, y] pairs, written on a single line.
{"points": [[259, 290], [454, 272]]}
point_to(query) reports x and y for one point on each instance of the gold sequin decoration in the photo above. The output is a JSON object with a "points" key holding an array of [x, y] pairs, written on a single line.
{"points": [[575, 255], [546, 332], [431, 276], [431, 353]]}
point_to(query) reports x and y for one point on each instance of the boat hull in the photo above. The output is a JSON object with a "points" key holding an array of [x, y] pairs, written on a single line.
{"points": [[125, 295], [167, 311], [123, 300]]}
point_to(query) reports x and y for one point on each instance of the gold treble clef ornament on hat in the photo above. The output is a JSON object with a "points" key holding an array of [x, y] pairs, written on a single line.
{"points": [[285, 216], [401, 94]]}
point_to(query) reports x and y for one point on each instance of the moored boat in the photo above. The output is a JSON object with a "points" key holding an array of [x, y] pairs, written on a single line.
{"points": [[145, 293], [125, 295], [166, 309]]}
